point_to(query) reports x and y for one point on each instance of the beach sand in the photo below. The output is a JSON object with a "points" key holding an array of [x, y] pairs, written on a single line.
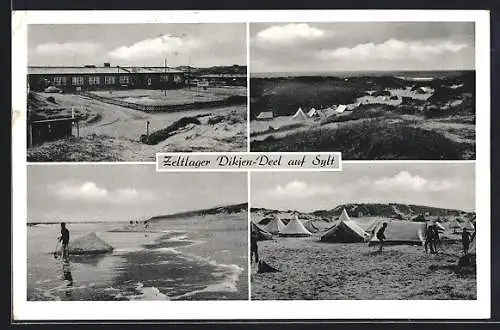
{"points": [[310, 269]]}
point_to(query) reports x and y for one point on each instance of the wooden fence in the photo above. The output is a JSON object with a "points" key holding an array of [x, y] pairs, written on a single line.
{"points": [[232, 100]]}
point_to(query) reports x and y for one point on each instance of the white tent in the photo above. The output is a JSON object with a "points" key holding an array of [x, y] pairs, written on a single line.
{"points": [[89, 244], [313, 113], [346, 231], [299, 115], [275, 226], [353, 106], [265, 115], [295, 228], [401, 232], [469, 226], [341, 108]]}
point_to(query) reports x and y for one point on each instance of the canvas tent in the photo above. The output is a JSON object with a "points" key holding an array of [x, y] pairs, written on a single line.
{"points": [[89, 244], [260, 233], [353, 106], [265, 115], [299, 115], [469, 226], [295, 228], [453, 224], [275, 226], [345, 231], [313, 113], [401, 232], [341, 108]]}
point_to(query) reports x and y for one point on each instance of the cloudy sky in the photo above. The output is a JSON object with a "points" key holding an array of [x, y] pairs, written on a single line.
{"points": [[292, 47], [440, 185], [124, 192], [200, 45]]}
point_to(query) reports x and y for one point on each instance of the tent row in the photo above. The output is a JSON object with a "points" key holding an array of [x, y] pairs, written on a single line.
{"points": [[294, 228], [346, 230], [300, 115]]}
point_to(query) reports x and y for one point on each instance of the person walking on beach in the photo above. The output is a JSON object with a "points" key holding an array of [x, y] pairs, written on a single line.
{"points": [[254, 249], [381, 236], [466, 238], [64, 239]]}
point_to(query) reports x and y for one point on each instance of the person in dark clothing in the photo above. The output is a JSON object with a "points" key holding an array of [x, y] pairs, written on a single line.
{"points": [[429, 237], [381, 236], [64, 238], [466, 238], [254, 249], [436, 241]]}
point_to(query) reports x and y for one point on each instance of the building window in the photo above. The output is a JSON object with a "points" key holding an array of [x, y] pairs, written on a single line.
{"points": [[177, 79], [78, 80], [109, 80], [149, 82], [164, 77], [94, 80], [124, 79], [58, 81]]}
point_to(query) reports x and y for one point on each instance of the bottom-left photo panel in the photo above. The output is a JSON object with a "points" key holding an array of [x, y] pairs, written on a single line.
{"points": [[127, 232]]}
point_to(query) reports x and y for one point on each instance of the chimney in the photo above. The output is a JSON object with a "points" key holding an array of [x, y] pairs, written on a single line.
{"points": [[107, 64]]}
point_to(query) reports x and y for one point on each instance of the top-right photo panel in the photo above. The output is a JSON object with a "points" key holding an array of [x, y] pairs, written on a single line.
{"points": [[371, 90]]}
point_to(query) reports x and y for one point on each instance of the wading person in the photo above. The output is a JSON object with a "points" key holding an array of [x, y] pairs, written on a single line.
{"points": [[254, 249], [64, 239], [381, 236], [465, 241]]}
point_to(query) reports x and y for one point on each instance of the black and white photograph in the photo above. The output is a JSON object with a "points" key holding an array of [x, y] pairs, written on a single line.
{"points": [[128, 233], [122, 92], [371, 232], [371, 90]]}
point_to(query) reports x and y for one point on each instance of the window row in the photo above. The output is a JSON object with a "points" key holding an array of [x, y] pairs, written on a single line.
{"points": [[92, 80]]}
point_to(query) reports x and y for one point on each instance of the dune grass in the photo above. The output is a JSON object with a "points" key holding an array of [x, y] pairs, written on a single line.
{"points": [[372, 139], [93, 148]]}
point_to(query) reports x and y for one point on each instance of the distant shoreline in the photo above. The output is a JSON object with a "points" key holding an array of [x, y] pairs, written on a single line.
{"points": [[404, 74]]}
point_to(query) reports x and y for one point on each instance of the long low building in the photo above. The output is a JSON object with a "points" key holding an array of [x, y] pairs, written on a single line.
{"points": [[106, 77]]}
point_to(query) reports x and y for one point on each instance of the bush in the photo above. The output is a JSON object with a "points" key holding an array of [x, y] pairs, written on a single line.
{"points": [[163, 134], [369, 140]]}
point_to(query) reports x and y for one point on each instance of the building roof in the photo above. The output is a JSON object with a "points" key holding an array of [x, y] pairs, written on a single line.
{"points": [[44, 70], [224, 75]]}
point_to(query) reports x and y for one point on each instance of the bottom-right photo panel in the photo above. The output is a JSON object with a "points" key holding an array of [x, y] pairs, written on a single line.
{"points": [[372, 231]]}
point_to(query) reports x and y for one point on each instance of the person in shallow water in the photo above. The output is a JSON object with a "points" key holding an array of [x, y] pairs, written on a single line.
{"points": [[64, 238], [254, 249], [381, 236]]}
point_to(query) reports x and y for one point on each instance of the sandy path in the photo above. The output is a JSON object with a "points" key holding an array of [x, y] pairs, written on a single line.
{"points": [[314, 270]]}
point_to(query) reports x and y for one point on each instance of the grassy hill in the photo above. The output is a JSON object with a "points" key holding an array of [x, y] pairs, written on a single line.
{"points": [[214, 210], [390, 210]]}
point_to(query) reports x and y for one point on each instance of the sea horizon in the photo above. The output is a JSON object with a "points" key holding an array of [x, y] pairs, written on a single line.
{"points": [[355, 73]]}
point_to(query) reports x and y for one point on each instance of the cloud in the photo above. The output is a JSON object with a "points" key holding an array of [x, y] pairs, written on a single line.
{"points": [[298, 189], [406, 181], [155, 47], [289, 33], [90, 192], [392, 49], [67, 48]]}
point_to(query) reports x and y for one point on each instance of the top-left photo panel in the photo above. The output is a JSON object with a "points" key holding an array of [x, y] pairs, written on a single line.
{"points": [[123, 92]]}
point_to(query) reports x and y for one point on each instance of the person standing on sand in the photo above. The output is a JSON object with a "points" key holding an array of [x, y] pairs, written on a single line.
{"points": [[429, 236], [64, 239], [466, 238], [436, 241], [254, 249], [381, 236]]}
